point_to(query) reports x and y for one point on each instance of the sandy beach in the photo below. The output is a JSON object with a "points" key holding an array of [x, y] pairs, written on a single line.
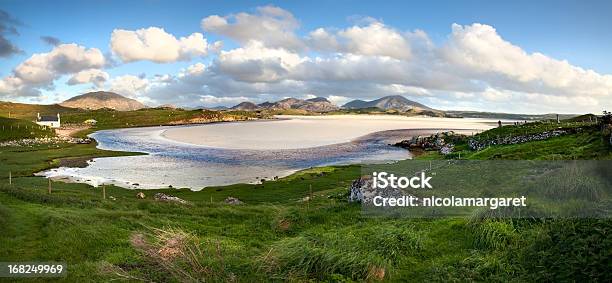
{"points": [[294, 132]]}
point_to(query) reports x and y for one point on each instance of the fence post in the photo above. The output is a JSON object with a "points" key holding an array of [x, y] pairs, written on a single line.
{"points": [[10, 178], [49, 189], [103, 192]]}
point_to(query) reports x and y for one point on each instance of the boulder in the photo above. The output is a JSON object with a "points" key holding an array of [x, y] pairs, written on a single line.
{"points": [[233, 201], [361, 190], [168, 198], [140, 195]]}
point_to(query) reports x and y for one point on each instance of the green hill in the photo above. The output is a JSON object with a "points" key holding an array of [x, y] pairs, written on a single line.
{"points": [[28, 111]]}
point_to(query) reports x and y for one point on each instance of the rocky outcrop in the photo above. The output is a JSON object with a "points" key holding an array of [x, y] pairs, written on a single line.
{"points": [[437, 141], [233, 201], [361, 190], [169, 198]]}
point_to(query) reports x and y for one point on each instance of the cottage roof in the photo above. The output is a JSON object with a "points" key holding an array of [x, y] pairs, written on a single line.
{"points": [[48, 119]]}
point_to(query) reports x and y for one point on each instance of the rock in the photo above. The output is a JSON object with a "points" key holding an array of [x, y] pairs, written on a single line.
{"points": [[447, 149], [168, 198], [140, 195], [112, 198], [361, 191], [233, 201]]}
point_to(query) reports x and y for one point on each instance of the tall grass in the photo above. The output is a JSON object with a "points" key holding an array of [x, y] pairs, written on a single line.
{"points": [[367, 253]]}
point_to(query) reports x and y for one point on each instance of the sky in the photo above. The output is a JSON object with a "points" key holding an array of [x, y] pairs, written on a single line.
{"points": [[502, 56]]}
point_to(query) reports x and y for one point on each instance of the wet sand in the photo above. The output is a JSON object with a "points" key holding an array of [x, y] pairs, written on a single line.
{"points": [[294, 132]]}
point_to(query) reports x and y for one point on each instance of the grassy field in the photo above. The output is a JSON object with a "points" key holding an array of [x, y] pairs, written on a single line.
{"points": [[28, 111], [586, 143], [14, 129], [299, 228]]}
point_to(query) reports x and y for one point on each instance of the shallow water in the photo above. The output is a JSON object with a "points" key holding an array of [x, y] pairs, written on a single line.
{"points": [[180, 165]]}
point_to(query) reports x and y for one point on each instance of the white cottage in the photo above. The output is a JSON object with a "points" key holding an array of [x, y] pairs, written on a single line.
{"points": [[48, 121]]}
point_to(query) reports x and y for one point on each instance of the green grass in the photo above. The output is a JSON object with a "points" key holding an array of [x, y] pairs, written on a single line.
{"points": [[108, 119], [276, 235], [587, 143], [28, 111], [15, 129]]}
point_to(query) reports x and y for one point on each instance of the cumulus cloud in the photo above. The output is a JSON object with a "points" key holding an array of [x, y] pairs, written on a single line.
{"points": [[43, 68], [155, 44], [481, 53], [375, 39], [269, 24], [129, 85], [94, 76], [13, 87], [256, 63], [475, 67]]}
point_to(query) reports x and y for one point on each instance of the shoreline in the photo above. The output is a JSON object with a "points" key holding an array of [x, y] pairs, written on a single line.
{"points": [[70, 175]]}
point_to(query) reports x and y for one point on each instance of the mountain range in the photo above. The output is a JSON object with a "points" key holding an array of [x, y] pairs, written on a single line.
{"points": [[393, 102], [317, 104], [103, 99]]}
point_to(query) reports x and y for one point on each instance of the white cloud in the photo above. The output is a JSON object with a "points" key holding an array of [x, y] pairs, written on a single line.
{"points": [[270, 25], [492, 94], [256, 63], [155, 44], [94, 76], [129, 85], [484, 55], [338, 99], [376, 39], [405, 90], [473, 67], [43, 68], [210, 100]]}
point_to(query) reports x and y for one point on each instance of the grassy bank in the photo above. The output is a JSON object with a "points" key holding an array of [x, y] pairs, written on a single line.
{"points": [[299, 228]]}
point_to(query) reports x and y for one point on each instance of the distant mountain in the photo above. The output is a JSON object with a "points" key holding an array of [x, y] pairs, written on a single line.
{"points": [[511, 116], [266, 105], [103, 99], [245, 106], [318, 104], [167, 106], [356, 104], [394, 102]]}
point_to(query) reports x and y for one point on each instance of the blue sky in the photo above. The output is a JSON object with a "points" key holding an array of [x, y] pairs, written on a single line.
{"points": [[576, 31]]}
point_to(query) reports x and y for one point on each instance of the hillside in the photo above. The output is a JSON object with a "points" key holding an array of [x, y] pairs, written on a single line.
{"points": [[28, 111], [245, 106], [394, 102], [103, 99]]}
